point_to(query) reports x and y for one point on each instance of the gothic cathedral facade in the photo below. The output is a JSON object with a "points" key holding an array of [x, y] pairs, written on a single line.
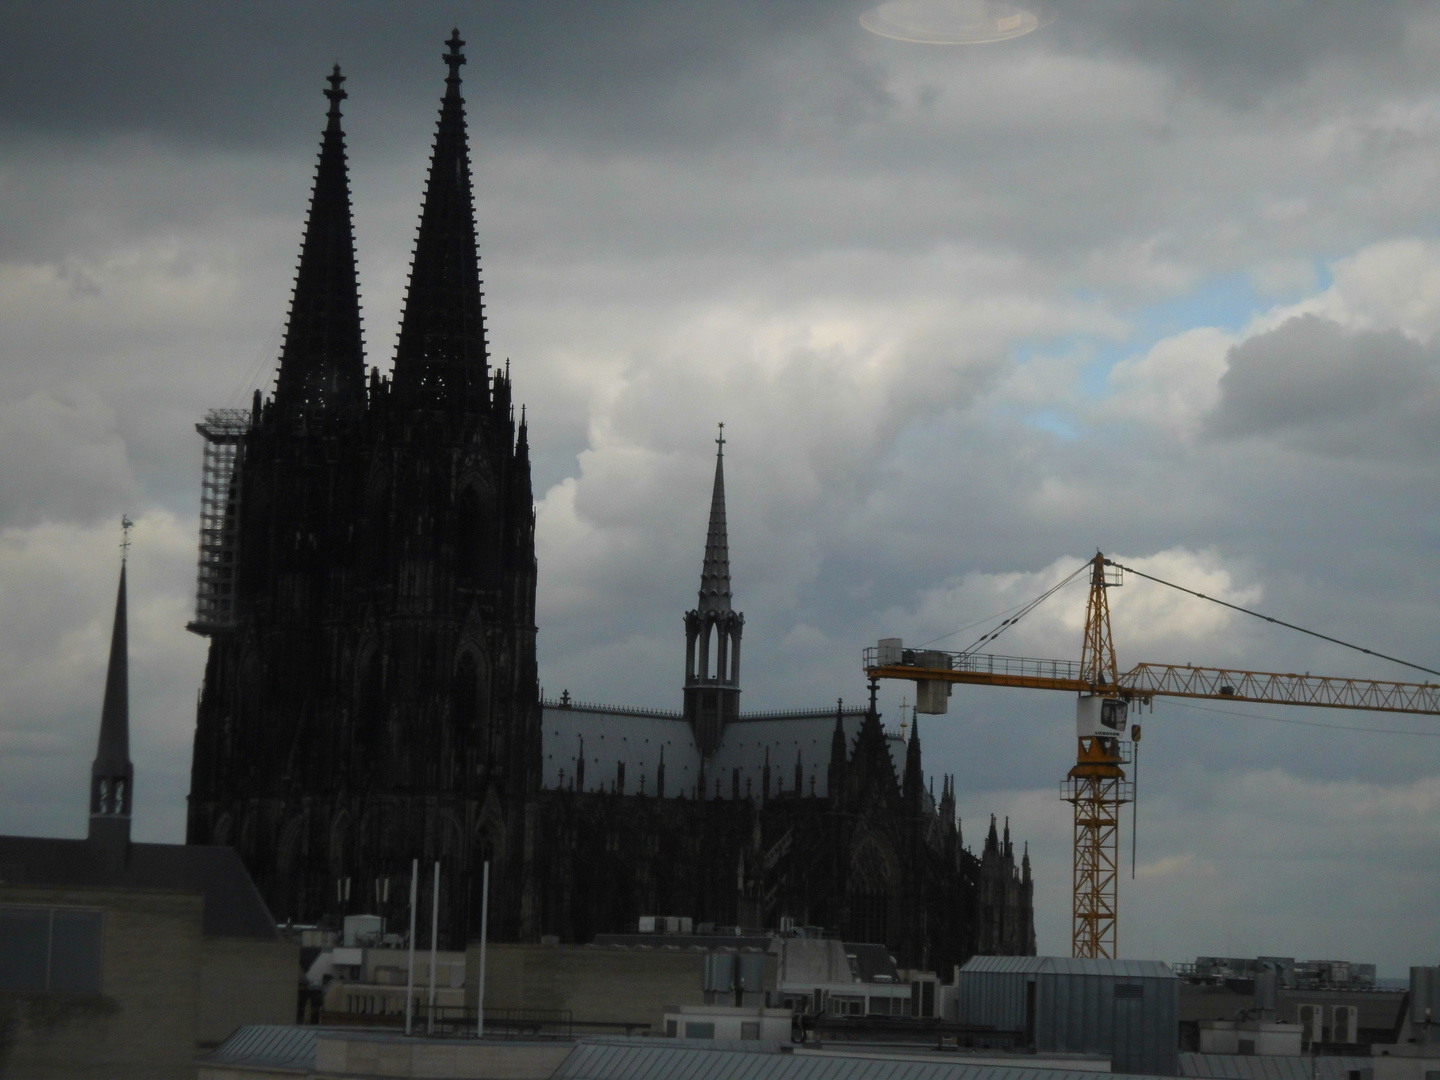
{"points": [[371, 695], [374, 698]]}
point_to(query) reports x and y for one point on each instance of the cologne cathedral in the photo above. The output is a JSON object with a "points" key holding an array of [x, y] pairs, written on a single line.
{"points": [[367, 583]]}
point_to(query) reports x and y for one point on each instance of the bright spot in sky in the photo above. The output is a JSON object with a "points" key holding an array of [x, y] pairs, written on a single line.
{"points": [[953, 22]]}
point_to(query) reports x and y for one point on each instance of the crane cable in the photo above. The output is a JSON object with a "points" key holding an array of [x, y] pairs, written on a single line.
{"points": [[1267, 618], [1026, 609]]}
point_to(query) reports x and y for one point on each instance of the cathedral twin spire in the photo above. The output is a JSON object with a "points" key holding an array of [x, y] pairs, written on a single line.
{"points": [[322, 364], [442, 359]]}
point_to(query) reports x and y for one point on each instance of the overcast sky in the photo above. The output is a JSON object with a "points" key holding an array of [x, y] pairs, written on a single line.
{"points": [[1161, 278]]}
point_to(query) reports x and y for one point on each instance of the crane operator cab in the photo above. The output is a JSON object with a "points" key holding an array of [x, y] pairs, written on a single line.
{"points": [[1102, 724], [1101, 717]]}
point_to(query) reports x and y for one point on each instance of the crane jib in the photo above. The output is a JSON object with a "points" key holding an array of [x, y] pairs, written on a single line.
{"points": [[1146, 681]]}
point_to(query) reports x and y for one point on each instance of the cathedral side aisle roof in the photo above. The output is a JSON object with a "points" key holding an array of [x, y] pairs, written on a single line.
{"points": [[612, 734]]}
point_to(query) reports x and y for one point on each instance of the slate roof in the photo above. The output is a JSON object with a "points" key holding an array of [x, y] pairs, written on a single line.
{"points": [[273, 1046], [233, 906], [1071, 965], [1273, 1066], [670, 1059], [759, 942], [615, 1058]]}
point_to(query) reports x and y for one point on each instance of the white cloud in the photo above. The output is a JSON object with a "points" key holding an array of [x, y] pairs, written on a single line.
{"points": [[1174, 385]]}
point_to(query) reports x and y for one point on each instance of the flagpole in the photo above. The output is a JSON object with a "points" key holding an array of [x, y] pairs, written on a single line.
{"points": [[434, 946], [410, 976], [484, 934]]}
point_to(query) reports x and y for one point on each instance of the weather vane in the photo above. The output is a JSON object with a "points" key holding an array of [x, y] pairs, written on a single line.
{"points": [[125, 526]]}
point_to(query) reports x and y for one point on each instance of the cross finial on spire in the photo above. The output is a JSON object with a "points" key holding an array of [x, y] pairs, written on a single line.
{"points": [[125, 526], [720, 438], [453, 59], [335, 94]]}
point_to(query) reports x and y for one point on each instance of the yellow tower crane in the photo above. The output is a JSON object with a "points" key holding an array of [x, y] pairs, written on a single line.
{"points": [[1097, 786]]}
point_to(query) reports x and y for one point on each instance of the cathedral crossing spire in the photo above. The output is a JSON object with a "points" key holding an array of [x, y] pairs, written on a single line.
{"points": [[322, 364], [713, 629], [715, 574], [442, 357]]}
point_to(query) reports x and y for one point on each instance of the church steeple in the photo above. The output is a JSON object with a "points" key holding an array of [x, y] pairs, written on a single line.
{"points": [[112, 776], [871, 766], [914, 778], [839, 754], [713, 700], [715, 573], [322, 364], [442, 357]]}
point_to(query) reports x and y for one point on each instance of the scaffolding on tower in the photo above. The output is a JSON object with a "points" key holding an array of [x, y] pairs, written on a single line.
{"points": [[224, 433]]}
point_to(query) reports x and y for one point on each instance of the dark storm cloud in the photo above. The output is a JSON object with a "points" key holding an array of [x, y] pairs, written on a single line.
{"points": [[243, 74], [1339, 389], [642, 129], [239, 74], [1241, 52]]}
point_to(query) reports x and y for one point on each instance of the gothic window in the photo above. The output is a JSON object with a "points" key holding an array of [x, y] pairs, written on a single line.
{"points": [[376, 537], [339, 832], [221, 834], [371, 706], [467, 538], [472, 706], [706, 670], [868, 896], [288, 862], [475, 550]]}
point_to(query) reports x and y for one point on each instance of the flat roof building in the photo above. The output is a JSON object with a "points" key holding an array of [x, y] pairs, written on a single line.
{"points": [[1127, 1010], [120, 959]]}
